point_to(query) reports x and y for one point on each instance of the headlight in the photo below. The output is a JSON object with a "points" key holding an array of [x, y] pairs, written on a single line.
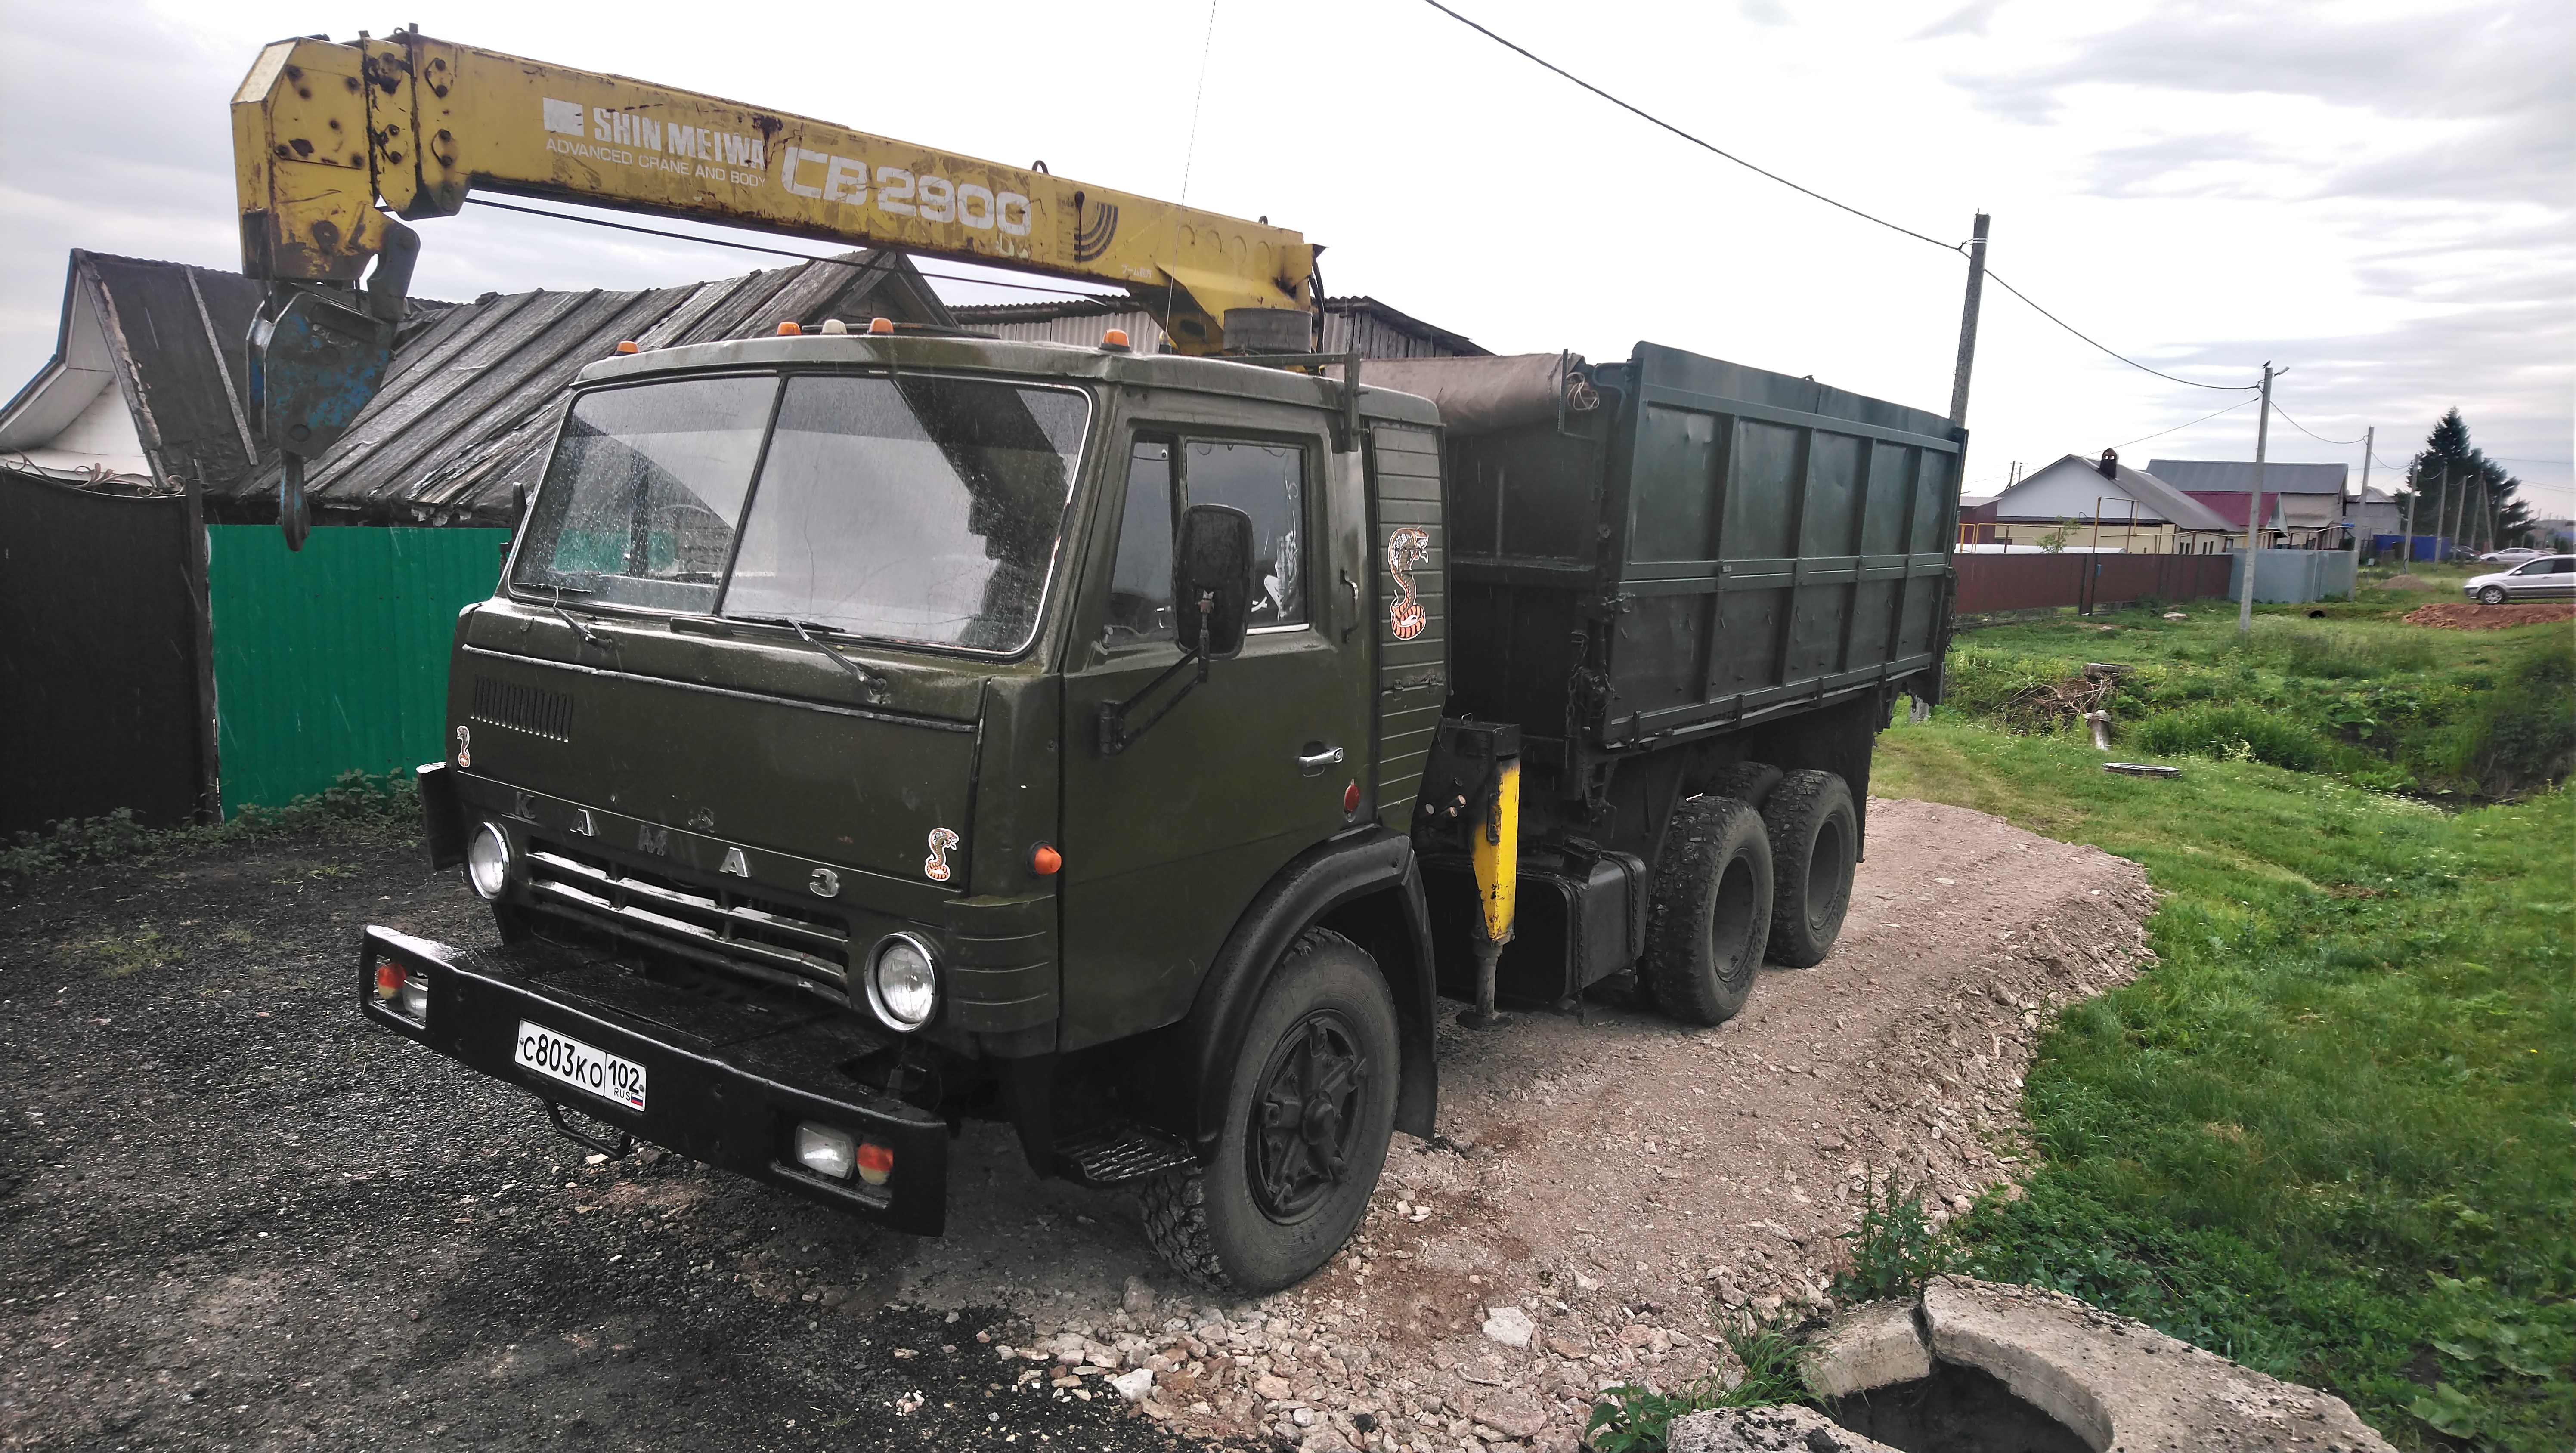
{"points": [[487, 860], [903, 986]]}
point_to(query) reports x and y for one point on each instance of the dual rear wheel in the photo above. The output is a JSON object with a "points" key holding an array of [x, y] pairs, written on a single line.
{"points": [[1740, 882]]}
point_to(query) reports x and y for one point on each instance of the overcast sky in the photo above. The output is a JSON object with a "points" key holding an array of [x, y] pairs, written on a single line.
{"points": [[2375, 196]]}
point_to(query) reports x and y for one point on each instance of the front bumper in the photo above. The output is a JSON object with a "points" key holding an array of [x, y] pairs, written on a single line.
{"points": [[729, 1076]]}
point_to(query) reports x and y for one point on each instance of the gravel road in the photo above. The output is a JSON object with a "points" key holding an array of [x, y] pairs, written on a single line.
{"points": [[235, 1217]]}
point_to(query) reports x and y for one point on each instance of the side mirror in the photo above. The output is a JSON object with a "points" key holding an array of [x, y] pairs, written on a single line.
{"points": [[1212, 580]]}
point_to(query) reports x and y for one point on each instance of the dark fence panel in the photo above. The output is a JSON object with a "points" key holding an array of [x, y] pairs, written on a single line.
{"points": [[98, 671], [2030, 582]]}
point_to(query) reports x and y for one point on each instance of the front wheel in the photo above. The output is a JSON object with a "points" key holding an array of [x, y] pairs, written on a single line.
{"points": [[1307, 1118], [2492, 595]]}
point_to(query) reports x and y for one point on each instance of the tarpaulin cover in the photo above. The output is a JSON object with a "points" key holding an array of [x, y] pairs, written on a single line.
{"points": [[1485, 395]]}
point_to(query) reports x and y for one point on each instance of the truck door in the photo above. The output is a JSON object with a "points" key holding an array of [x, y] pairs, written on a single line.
{"points": [[1166, 842]]}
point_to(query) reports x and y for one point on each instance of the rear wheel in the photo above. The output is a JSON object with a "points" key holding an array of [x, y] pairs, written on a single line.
{"points": [[1712, 910], [1814, 836], [2492, 595], [1308, 1115]]}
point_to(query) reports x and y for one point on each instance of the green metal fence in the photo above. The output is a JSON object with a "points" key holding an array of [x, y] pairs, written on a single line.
{"points": [[334, 658]]}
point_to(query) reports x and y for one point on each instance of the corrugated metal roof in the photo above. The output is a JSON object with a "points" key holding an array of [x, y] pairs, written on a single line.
{"points": [[2236, 476], [469, 407], [168, 337]]}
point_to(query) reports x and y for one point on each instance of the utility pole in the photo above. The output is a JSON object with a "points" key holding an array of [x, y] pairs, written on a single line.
{"points": [[1968, 325], [2254, 509], [2414, 492], [2369, 438], [2459, 513]]}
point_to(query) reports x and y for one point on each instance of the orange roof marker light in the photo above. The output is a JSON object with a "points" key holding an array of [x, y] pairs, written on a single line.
{"points": [[881, 325], [1115, 339], [790, 329], [626, 345]]}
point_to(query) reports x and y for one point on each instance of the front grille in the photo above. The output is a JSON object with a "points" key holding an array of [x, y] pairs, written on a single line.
{"points": [[530, 709], [738, 927]]}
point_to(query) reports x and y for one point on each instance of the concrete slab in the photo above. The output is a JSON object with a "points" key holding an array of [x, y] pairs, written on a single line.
{"points": [[1870, 1346], [2125, 1387], [1765, 1430]]}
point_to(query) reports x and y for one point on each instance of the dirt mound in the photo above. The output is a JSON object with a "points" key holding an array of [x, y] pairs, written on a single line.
{"points": [[2462, 616]]}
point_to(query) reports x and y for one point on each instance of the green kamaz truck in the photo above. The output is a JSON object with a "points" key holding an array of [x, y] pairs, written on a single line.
{"points": [[877, 731]]}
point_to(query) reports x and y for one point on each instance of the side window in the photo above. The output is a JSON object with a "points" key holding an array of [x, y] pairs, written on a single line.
{"points": [[1267, 482], [1140, 583]]}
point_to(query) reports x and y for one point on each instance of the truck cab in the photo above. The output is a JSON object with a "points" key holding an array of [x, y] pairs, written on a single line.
{"points": [[880, 729]]}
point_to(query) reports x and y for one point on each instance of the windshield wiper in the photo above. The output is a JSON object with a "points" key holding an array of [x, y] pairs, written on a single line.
{"points": [[876, 688], [588, 636]]}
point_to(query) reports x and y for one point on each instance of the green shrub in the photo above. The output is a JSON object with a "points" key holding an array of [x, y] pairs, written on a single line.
{"points": [[1895, 1248], [2239, 733], [2340, 654], [2519, 734]]}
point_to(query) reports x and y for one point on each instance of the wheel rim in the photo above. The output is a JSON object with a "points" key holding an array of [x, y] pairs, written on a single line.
{"points": [[1731, 911], [2491, 596], [1306, 1115], [1828, 867]]}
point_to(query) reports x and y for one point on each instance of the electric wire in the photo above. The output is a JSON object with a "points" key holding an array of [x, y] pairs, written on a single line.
{"points": [[2311, 433], [1960, 247], [2178, 428], [776, 251]]}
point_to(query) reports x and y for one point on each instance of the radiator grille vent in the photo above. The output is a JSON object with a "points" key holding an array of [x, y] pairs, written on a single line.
{"points": [[528, 709]]}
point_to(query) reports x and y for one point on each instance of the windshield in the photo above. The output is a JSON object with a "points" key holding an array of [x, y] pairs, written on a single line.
{"points": [[915, 508], [640, 504]]}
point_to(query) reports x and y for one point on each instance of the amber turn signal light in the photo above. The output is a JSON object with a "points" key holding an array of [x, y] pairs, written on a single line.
{"points": [[1114, 338], [881, 325], [626, 345], [1045, 861], [790, 329]]}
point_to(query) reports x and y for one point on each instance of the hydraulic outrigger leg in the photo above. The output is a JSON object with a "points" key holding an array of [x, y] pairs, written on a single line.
{"points": [[1494, 850]]}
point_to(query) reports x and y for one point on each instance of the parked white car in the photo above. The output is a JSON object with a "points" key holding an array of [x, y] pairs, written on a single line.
{"points": [[2511, 555], [2551, 577]]}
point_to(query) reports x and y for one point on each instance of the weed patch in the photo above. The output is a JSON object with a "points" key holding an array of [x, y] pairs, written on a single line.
{"points": [[359, 803], [1633, 1419]]}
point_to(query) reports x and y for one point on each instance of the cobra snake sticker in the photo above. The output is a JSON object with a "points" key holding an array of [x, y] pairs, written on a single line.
{"points": [[1407, 550], [935, 867]]}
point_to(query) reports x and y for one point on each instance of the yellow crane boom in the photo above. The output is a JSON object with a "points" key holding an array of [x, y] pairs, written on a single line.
{"points": [[328, 138]]}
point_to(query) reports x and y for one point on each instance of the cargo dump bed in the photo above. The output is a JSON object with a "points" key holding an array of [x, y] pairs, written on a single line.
{"points": [[1675, 544]]}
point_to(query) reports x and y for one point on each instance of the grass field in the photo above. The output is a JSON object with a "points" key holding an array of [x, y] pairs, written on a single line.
{"points": [[2329, 1133]]}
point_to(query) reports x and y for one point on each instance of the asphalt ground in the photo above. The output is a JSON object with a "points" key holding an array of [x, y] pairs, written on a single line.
{"points": [[234, 1216]]}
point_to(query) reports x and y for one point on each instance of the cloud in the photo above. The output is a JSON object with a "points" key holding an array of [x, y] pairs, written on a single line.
{"points": [[2494, 74], [1764, 12], [1969, 19]]}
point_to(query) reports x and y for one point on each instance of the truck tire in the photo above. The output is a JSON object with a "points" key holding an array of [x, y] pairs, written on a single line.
{"points": [[1712, 911], [1307, 1119], [1747, 782], [1814, 834]]}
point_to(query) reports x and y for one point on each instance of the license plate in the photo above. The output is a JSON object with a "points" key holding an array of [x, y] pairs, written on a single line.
{"points": [[618, 1081]]}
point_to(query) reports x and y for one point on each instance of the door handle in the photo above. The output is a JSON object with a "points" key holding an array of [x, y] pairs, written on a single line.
{"points": [[1312, 761]]}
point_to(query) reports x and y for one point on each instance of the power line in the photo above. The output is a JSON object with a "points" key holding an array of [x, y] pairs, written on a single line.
{"points": [[772, 251], [2311, 433], [2124, 358], [1644, 115], [2178, 428], [1648, 116]]}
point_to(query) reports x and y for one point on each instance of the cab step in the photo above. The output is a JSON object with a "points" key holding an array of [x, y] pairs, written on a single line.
{"points": [[1121, 1151]]}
